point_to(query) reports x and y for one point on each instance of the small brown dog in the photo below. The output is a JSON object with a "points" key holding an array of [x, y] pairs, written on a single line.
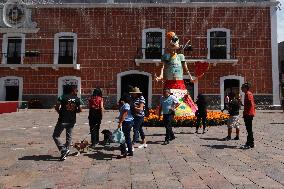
{"points": [[81, 146]]}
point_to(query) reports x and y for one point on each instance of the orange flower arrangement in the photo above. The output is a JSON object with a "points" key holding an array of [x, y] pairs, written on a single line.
{"points": [[213, 119]]}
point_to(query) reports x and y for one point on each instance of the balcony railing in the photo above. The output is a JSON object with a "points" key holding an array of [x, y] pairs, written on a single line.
{"points": [[35, 60], [150, 55]]}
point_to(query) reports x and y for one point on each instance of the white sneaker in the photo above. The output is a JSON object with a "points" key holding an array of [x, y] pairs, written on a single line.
{"points": [[143, 146], [132, 149]]}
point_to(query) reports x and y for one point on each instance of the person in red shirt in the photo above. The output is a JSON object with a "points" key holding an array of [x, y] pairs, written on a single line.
{"points": [[248, 114], [96, 108]]}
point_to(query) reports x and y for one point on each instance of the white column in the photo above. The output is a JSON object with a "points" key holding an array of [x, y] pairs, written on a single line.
{"points": [[274, 54]]}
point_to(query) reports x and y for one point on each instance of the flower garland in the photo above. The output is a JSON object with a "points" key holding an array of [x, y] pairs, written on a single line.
{"points": [[213, 119]]}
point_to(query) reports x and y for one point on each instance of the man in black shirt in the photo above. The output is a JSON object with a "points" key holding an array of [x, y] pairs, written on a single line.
{"points": [[67, 106], [233, 122]]}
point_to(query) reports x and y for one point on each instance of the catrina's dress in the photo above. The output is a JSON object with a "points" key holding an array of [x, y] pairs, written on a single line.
{"points": [[173, 80]]}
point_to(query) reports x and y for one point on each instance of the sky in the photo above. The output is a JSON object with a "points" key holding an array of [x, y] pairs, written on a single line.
{"points": [[280, 22]]}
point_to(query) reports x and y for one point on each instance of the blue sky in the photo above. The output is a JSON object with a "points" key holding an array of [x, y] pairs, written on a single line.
{"points": [[280, 23]]}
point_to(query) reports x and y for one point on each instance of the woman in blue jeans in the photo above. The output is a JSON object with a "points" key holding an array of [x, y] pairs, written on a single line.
{"points": [[125, 122], [137, 108]]}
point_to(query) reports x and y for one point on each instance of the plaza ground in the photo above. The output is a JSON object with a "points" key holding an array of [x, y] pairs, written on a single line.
{"points": [[29, 157]]}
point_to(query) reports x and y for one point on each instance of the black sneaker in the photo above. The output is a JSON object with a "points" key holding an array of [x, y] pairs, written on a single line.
{"points": [[166, 142], [121, 156], [227, 138], [64, 154], [237, 138], [173, 138]]}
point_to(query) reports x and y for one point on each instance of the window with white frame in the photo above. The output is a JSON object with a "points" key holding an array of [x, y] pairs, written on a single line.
{"points": [[65, 48], [153, 43], [218, 43], [13, 46]]}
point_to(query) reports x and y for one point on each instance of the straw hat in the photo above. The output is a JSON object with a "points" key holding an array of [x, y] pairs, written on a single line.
{"points": [[135, 90]]}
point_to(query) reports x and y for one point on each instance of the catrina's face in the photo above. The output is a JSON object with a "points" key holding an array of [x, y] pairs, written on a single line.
{"points": [[173, 43]]}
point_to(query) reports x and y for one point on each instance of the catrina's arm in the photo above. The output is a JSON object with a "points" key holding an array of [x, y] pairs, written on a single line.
{"points": [[187, 70], [161, 75]]}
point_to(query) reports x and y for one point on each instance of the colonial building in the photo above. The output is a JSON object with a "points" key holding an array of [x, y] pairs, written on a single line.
{"points": [[116, 43]]}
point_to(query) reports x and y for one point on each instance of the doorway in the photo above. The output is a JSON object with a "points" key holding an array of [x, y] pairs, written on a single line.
{"points": [[135, 80], [231, 86], [12, 89]]}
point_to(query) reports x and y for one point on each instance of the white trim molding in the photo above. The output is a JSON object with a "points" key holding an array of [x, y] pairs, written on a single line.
{"points": [[222, 81], [150, 87], [5, 46], [195, 84], [144, 31], [228, 40], [61, 81], [274, 58], [56, 45], [3, 88]]}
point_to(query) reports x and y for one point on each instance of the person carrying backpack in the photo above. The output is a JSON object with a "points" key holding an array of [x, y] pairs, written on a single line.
{"points": [[67, 106]]}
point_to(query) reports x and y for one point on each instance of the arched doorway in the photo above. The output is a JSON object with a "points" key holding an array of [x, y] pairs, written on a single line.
{"points": [[69, 80], [11, 88], [229, 84], [134, 78]]}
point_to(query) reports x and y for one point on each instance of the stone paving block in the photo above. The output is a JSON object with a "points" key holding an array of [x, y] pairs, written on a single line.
{"points": [[142, 177], [192, 181], [143, 185]]}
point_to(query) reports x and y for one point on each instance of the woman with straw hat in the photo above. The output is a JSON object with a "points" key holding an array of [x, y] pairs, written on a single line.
{"points": [[138, 112]]}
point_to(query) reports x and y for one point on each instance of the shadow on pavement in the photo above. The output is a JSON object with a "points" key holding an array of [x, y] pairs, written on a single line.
{"points": [[221, 146], [185, 133], [98, 155], [217, 139], [40, 158], [155, 142], [155, 134]]}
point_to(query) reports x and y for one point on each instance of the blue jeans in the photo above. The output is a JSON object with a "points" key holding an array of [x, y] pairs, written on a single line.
{"points": [[167, 121], [126, 129], [137, 128]]}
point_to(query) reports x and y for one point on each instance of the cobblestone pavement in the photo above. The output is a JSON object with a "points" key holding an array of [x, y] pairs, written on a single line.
{"points": [[29, 157]]}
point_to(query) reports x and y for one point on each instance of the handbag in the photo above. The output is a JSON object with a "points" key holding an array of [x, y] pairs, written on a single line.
{"points": [[118, 136]]}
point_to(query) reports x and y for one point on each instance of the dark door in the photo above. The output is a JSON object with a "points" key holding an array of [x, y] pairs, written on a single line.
{"points": [[135, 80], [67, 87], [231, 85], [12, 93]]}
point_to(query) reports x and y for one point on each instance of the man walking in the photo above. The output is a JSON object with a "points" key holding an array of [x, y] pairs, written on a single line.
{"points": [[168, 104], [67, 106]]}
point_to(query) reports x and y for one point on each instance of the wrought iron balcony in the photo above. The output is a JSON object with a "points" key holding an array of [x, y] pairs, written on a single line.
{"points": [[36, 59], [153, 55]]}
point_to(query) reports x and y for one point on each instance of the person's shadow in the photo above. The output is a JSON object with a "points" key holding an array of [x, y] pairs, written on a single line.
{"points": [[221, 146], [99, 155], [39, 158], [216, 139]]}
